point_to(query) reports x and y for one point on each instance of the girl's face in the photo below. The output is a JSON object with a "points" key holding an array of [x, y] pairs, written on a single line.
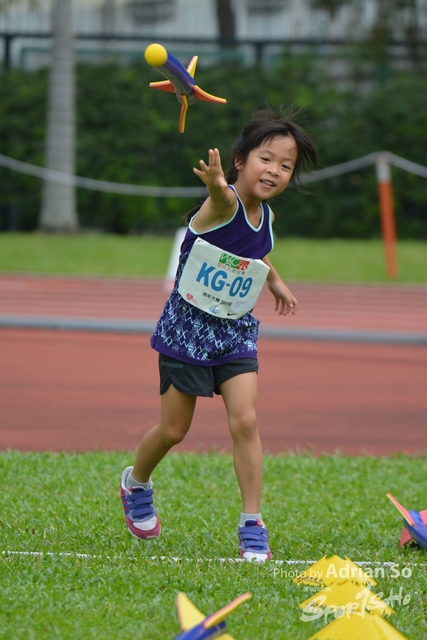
{"points": [[268, 168]]}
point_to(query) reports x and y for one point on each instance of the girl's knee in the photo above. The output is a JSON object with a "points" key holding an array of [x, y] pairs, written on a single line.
{"points": [[173, 434], [244, 425]]}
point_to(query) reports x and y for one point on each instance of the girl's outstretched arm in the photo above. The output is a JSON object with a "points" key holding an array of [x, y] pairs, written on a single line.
{"points": [[285, 301], [222, 202]]}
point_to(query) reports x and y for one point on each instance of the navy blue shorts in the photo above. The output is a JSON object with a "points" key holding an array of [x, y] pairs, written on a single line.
{"points": [[197, 380]]}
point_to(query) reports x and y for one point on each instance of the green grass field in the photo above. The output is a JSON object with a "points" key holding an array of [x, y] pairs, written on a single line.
{"points": [[147, 256], [53, 504], [63, 503]]}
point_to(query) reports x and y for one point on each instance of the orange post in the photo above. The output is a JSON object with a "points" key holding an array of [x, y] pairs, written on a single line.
{"points": [[385, 194]]}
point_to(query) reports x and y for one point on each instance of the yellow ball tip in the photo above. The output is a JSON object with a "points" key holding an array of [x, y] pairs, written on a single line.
{"points": [[156, 55]]}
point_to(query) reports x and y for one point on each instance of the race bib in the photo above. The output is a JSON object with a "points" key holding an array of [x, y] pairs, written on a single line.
{"points": [[221, 283]]}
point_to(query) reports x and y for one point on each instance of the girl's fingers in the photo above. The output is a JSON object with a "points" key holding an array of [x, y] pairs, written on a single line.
{"points": [[212, 171], [215, 158], [214, 161], [295, 305]]}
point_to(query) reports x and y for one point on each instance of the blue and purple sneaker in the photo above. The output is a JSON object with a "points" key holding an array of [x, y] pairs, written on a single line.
{"points": [[140, 515], [253, 541]]}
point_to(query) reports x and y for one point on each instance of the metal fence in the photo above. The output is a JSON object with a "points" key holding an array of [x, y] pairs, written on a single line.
{"points": [[32, 50]]}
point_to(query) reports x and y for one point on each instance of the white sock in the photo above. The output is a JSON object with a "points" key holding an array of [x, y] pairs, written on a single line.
{"points": [[131, 482], [248, 516]]}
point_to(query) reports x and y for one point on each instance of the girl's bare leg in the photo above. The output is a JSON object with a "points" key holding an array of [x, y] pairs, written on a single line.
{"points": [[176, 414], [240, 395]]}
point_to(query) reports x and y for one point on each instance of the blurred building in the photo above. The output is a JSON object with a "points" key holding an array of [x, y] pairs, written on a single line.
{"points": [[262, 20]]}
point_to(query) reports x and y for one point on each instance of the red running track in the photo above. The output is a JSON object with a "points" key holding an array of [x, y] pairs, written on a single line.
{"points": [[67, 391], [389, 308]]}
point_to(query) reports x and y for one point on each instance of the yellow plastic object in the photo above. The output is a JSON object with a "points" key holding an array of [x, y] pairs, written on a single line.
{"points": [[156, 55], [345, 596], [357, 627], [180, 80], [189, 616], [191, 67], [329, 570], [221, 615], [183, 114]]}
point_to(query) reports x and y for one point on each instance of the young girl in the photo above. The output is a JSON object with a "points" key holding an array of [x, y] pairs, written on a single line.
{"points": [[206, 335]]}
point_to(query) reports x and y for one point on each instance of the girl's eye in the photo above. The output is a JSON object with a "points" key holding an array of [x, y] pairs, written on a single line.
{"points": [[265, 159]]}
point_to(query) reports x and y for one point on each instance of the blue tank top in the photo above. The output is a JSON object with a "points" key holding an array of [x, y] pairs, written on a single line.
{"points": [[191, 335]]}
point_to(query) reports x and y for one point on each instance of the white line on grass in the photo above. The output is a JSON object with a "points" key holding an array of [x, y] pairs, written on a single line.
{"points": [[69, 554]]}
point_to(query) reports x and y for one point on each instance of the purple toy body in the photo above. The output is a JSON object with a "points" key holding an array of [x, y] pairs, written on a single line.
{"points": [[196, 626], [180, 80], [415, 525]]}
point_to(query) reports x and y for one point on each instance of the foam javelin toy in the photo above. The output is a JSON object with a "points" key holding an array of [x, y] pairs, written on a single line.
{"points": [[415, 525], [196, 626], [180, 80]]}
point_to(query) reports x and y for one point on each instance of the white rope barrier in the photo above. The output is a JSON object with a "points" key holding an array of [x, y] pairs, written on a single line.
{"points": [[364, 161], [406, 165], [99, 185], [339, 169], [189, 192]]}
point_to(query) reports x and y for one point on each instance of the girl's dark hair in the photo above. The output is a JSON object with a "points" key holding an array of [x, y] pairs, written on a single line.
{"points": [[264, 126]]}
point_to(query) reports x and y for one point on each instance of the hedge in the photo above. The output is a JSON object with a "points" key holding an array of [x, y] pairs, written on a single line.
{"points": [[127, 132]]}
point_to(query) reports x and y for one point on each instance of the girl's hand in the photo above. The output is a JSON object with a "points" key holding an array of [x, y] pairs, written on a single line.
{"points": [[222, 201], [212, 174], [285, 301]]}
